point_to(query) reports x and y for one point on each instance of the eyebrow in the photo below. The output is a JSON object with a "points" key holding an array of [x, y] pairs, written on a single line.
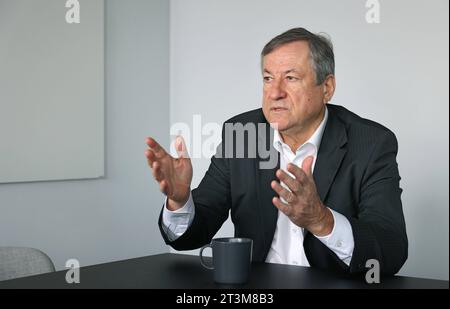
{"points": [[285, 72]]}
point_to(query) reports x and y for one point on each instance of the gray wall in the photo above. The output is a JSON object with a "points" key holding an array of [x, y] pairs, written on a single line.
{"points": [[395, 72], [114, 218]]}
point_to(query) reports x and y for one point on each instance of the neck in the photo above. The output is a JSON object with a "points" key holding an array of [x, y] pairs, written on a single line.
{"points": [[295, 137]]}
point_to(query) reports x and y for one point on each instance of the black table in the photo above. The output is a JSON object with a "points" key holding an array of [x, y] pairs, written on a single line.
{"points": [[176, 271]]}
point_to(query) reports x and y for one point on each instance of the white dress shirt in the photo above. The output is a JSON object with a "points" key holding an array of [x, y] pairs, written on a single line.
{"points": [[287, 243]]}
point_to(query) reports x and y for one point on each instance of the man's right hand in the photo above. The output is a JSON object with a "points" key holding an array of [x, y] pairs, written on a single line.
{"points": [[174, 175]]}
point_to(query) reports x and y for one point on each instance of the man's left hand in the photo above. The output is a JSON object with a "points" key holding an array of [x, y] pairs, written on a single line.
{"points": [[304, 207]]}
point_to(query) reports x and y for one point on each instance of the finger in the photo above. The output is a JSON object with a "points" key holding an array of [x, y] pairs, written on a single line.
{"points": [[156, 148], [156, 171], [284, 208], [288, 196], [298, 173], [149, 141], [150, 157], [164, 187], [181, 148], [307, 165], [292, 183]]}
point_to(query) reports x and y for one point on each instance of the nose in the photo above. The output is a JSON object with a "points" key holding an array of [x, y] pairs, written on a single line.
{"points": [[277, 91]]}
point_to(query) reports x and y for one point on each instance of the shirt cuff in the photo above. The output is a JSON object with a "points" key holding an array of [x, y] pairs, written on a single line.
{"points": [[175, 223], [340, 240]]}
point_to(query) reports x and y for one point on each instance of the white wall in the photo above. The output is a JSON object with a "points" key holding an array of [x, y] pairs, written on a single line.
{"points": [[113, 218], [395, 72]]}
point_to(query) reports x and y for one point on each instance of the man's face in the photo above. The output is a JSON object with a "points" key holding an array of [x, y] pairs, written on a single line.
{"points": [[291, 98]]}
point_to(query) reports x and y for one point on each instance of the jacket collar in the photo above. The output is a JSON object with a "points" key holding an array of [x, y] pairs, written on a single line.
{"points": [[331, 153]]}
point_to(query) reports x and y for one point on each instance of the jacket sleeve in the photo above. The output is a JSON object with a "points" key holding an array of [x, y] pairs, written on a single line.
{"points": [[379, 230]]}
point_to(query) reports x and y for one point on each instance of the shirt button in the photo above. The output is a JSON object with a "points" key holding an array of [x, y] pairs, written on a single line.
{"points": [[294, 230], [339, 244], [295, 262]]}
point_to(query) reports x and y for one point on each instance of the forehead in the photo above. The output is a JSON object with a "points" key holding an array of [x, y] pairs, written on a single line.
{"points": [[287, 56]]}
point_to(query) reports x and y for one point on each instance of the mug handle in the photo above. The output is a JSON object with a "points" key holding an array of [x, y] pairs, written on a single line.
{"points": [[202, 261]]}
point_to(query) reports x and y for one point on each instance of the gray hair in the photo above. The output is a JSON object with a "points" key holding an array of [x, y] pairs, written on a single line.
{"points": [[320, 49]]}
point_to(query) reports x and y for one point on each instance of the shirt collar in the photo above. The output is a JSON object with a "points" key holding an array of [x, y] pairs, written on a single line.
{"points": [[315, 139]]}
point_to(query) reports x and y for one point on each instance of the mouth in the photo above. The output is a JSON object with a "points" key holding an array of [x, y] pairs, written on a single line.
{"points": [[278, 109]]}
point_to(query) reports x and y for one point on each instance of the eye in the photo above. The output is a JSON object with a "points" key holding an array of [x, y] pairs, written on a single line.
{"points": [[291, 78], [267, 79]]}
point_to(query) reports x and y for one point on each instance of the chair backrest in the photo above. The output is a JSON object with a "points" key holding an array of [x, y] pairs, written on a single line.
{"points": [[22, 262]]}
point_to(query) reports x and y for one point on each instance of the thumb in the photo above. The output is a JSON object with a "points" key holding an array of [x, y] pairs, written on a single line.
{"points": [[307, 165], [180, 146]]}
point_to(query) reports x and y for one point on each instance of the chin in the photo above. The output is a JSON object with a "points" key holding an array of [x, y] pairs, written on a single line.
{"points": [[278, 125], [278, 122]]}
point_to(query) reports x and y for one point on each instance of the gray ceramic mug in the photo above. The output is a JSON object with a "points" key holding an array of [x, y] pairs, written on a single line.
{"points": [[231, 259]]}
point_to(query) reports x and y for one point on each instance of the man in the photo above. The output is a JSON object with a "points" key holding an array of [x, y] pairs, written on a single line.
{"points": [[333, 200]]}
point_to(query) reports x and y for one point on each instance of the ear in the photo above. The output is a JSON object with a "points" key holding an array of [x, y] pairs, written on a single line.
{"points": [[329, 86]]}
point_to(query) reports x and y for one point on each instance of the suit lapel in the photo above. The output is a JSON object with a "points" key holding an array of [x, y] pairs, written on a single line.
{"points": [[331, 152]]}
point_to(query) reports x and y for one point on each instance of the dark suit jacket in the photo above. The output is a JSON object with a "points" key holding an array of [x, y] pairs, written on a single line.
{"points": [[356, 174]]}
